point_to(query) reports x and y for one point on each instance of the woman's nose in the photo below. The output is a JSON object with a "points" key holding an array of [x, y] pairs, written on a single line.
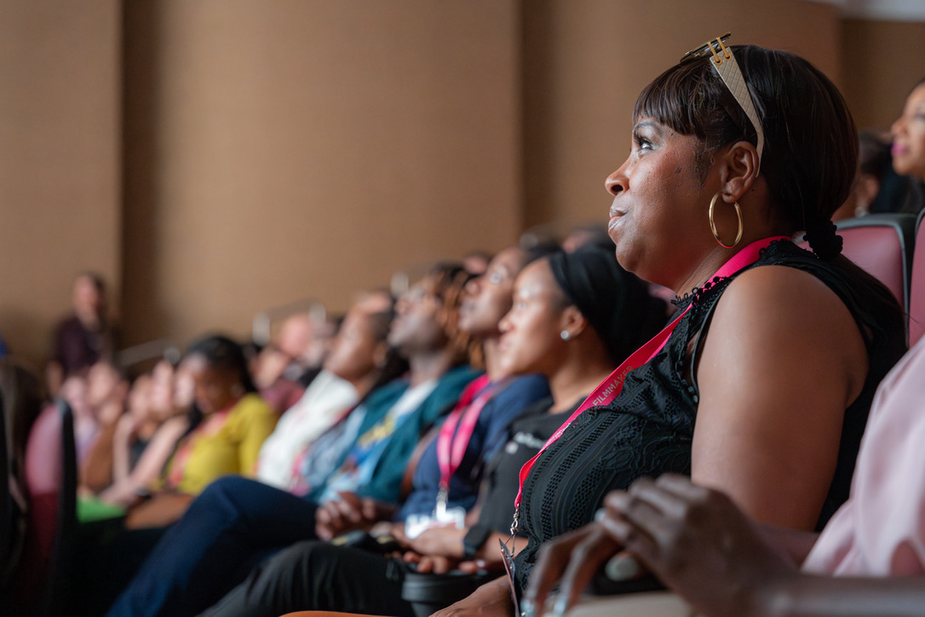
{"points": [[617, 182]]}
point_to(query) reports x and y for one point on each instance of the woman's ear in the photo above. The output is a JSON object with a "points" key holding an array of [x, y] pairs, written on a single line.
{"points": [[572, 321], [738, 169], [380, 355]]}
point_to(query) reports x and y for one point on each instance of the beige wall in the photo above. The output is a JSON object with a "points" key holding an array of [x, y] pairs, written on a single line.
{"points": [[882, 61], [290, 148], [251, 152], [59, 159], [585, 61]]}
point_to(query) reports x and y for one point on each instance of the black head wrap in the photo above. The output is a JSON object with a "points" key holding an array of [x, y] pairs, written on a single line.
{"points": [[616, 304]]}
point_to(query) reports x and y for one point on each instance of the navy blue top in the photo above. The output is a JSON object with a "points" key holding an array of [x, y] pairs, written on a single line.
{"points": [[507, 403]]}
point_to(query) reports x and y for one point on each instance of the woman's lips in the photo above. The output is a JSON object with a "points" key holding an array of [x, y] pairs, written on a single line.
{"points": [[899, 149], [616, 213]]}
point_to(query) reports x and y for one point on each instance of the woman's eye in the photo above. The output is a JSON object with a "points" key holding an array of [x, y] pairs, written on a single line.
{"points": [[494, 278]]}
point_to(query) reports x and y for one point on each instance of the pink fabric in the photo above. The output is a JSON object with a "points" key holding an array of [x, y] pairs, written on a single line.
{"points": [[880, 530]]}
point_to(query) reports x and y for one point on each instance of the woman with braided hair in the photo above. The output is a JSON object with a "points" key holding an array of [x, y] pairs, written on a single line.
{"points": [[762, 384]]}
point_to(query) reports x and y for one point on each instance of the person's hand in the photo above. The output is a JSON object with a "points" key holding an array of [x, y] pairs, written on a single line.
{"points": [[697, 542], [694, 539], [436, 541], [348, 513], [492, 599], [573, 559], [431, 564], [338, 516]]}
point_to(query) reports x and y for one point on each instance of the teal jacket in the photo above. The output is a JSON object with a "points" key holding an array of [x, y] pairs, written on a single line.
{"points": [[385, 483]]}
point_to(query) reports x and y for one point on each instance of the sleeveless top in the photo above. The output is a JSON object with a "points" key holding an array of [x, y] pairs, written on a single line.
{"points": [[648, 429]]}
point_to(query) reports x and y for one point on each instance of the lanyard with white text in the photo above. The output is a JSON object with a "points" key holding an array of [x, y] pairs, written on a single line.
{"points": [[608, 390], [452, 448]]}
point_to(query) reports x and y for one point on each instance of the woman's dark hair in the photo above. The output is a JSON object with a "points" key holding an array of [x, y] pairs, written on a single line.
{"points": [[811, 145], [220, 352], [617, 304]]}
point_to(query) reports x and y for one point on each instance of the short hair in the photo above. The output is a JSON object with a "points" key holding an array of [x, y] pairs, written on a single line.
{"points": [[220, 352], [811, 144]]}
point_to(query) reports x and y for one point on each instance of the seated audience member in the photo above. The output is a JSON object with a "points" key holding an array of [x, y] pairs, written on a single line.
{"points": [[142, 444], [768, 405], [584, 235], [235, 423], [281, 365], [874, 162], [107, 390], [476, 262], [86, 425], [22, 394], [560, 326], [487, 406], [350, 372], [236, 522], [699, 543], [868, 560], [909, 146], [83, 338]]}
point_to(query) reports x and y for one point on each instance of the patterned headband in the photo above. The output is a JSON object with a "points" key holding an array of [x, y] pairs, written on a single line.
{"points": [[728, 69]]}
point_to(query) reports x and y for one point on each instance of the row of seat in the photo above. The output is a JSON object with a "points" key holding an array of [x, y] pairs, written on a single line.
{"points": [[39, 584], [891, 247]]}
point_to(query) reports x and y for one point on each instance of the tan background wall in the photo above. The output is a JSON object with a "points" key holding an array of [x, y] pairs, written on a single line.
{"points": [[587, 60], [59, 159], [223, 156], [289, 148], [882, 61]]}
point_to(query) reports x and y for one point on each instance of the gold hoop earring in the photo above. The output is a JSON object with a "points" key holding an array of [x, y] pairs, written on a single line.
{"points": [[713, 223]]}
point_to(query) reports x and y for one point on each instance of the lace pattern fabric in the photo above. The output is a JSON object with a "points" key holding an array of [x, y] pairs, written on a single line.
{"points": [[648, 429]]}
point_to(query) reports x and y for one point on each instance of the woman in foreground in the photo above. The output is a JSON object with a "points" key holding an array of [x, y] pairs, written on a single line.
{"points": [[777, 351], [705, 549]]}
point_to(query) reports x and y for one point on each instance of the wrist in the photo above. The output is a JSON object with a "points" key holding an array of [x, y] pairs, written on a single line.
{"points": [[473, 540]]}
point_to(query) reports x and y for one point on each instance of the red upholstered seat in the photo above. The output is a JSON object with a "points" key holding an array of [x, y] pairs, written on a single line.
{"points": [[51, 479], [882, 244], [917, 286]]}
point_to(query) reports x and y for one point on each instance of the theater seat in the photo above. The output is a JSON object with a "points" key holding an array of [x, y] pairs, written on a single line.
{"points": [[51, 479], [882, 244], [917, 285]]}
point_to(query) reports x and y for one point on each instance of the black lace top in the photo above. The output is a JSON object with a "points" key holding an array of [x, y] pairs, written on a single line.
{"points": [[647, 430]]}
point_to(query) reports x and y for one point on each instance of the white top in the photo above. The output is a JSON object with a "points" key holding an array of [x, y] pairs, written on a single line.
{"points": [[325, 400]]}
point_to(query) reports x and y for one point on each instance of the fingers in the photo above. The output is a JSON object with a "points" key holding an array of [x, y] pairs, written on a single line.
{"points": [[550, 565], [349, 507], [587, 557], [371, 510], [398, 532]]}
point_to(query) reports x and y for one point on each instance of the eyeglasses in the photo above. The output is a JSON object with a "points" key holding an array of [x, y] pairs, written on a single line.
{"points": [[728, 69]]}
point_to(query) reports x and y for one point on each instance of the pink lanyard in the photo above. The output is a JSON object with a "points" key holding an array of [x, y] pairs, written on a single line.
{"points": [[611, 387], [450, 449]]}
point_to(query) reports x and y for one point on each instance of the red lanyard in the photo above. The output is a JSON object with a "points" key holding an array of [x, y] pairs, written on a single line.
{"points": [[450, 448], [611, 387]]}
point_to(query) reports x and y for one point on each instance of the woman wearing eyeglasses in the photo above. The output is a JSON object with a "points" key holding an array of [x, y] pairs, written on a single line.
{"points": [[762, 385]]}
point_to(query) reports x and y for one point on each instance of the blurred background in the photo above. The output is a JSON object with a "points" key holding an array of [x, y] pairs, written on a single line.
{"points": [[212, 158]]}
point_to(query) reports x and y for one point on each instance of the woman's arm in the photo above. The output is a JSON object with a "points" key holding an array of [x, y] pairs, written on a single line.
{"points": [[150, 464], [781, 362], [125, 428]]}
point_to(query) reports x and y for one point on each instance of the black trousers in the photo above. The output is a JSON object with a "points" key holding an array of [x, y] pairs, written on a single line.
{"points": [[315, 575]]}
